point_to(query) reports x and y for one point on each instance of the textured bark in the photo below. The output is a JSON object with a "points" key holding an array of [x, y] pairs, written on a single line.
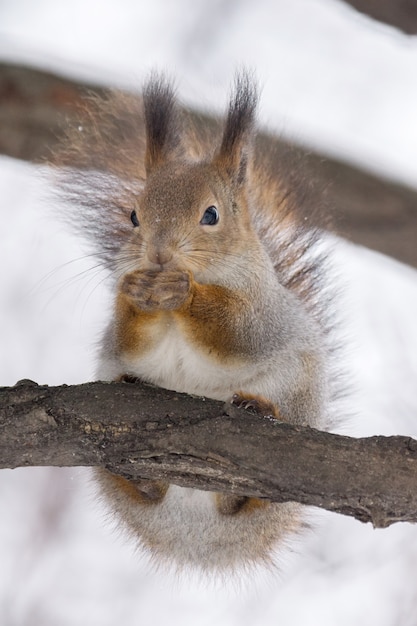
{"points": [[34, 108], [142, 431]]}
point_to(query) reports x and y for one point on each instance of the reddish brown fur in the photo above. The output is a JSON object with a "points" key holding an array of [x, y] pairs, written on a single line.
{"points": [[206, 295], [261, 405], [146, 492], [136, 330], [233, 505], [206, 319]]}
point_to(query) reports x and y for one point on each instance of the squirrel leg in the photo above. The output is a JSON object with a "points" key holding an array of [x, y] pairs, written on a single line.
{"points": [[231, 505], [142, 490]]}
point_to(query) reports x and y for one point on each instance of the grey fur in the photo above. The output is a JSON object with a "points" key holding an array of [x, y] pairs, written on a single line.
{"points": [[138, 154]]}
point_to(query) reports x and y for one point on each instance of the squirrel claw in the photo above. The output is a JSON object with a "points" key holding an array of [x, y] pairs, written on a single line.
{"points": [[259, 404], [128, 378], [227, 504]]}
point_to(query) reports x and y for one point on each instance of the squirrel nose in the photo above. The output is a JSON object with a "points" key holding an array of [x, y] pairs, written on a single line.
{"points": [[159, 256]]}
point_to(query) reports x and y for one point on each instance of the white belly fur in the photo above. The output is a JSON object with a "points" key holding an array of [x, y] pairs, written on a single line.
{"points": [[175, 364], [186, 525]]}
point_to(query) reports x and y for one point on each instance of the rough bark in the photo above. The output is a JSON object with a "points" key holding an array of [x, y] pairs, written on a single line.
{"points": [[382, 215], [141, 431]]}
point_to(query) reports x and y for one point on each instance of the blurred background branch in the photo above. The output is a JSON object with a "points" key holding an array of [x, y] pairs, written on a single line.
{"points": [[331, 77], [399, 13], [367, 209]]}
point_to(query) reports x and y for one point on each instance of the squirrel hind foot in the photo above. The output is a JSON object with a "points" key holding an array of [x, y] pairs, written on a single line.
{"points": [[150, 491], [233, 505], [141, 490]]}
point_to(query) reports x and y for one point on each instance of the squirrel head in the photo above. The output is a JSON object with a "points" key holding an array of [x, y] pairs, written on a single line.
{"points": [[191, 214]]}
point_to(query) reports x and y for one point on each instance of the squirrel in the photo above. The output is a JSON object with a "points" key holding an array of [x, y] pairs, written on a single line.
{"points": [[219, 291]]}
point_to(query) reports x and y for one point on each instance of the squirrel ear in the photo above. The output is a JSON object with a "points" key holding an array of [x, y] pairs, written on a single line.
{"points": [[161, 120], [236, 145]]}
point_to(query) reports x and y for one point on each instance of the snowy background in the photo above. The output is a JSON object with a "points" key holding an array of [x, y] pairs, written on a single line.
{"points": [[332, 79]]}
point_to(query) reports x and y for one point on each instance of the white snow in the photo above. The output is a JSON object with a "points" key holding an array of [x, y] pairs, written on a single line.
{"points": [[331, 78]]}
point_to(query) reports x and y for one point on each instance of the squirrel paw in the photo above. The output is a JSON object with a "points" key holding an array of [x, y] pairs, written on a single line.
{"points": [[232, 505], [150, 491], [141, 490], [259, 404], [128, 378], [154, 290]]}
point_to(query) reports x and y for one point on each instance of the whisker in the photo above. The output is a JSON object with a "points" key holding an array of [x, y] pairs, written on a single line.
{"points": [[39, 284], [71, 281]]}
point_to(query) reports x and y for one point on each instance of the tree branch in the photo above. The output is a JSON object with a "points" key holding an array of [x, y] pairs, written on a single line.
{"points": [[35, 105], [142, 431], [399, 13]]}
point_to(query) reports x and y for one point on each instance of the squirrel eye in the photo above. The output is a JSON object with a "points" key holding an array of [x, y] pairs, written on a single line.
{"points": [[210, 217], [134, 219]]}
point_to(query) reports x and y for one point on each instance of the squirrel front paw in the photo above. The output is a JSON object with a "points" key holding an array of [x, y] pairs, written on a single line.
{"points": [[154, 290]]}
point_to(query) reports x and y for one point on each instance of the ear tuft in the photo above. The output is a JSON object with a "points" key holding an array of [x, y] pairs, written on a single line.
{"points": [[236, 143], [161, 120]]}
